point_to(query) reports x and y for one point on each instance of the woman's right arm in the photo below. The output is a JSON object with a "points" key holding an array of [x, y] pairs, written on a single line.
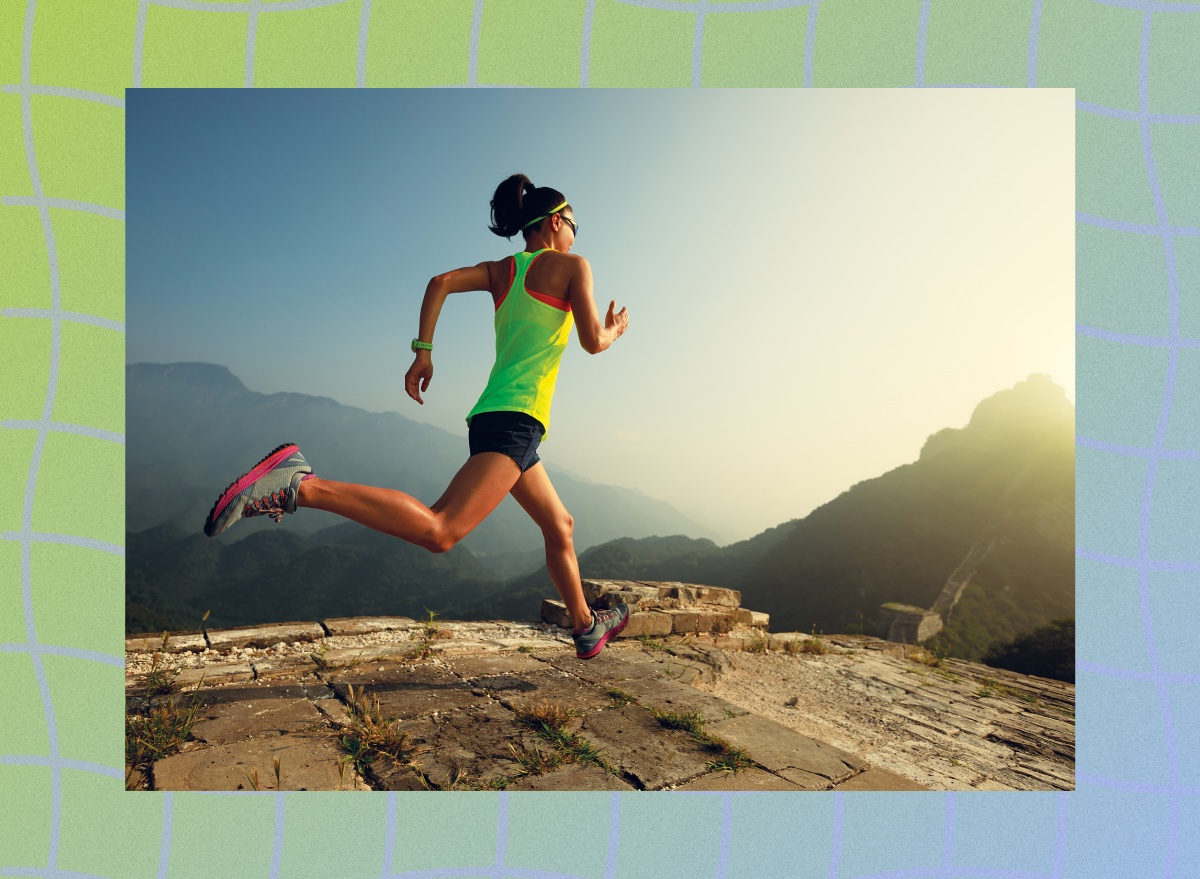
{"points": [[594, 336], [477, 277]]}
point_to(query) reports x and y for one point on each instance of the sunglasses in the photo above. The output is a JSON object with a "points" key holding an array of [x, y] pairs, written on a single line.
{"points": [[574, 226]]}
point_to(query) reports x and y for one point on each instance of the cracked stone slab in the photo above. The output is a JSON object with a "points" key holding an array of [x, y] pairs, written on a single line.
{"points": [[386, 671], [682, 671], [308, 687], [348, 657], [275, 666], [398, 778], [228, 722], [507, 663], [406, 692], [176, 643], [669, 695], [335, 712], [216, 674], [746, 780], [878, 779], [610, 667], [307, 762], [544, 643], [475, 742], [456, 750], [552, 686], [635, 744], [368, 625], [265, 636], [466, 647], [780, 749], [573, 776]]}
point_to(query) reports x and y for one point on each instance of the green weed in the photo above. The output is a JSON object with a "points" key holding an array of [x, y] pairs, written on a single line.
{"points": [[159, 722], [620, 697], [757, 644], [727, 759], [370, 735], [549, 721]]}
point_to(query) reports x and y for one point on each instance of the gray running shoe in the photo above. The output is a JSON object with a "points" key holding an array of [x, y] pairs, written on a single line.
{"points": [[269, 489], [606, 625]]}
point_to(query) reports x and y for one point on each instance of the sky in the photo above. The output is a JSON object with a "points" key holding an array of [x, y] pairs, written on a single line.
{"points": [[816, 280]]}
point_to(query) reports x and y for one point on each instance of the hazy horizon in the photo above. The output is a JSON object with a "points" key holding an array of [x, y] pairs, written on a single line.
{"points": [[816, 281], [554, 467]]}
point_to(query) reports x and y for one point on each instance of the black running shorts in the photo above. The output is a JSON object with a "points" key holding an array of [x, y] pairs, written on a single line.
{"points": [[510, 433]]}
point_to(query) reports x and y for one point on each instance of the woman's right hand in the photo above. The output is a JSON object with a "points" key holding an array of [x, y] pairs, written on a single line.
{"points": [[419, 375]]}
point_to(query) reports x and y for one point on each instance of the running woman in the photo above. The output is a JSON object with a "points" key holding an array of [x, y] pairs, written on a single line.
{"points": [[537, 293]]}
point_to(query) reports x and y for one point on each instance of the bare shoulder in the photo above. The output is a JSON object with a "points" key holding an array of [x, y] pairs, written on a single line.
{"points": [[500, 272], [570, 264]]}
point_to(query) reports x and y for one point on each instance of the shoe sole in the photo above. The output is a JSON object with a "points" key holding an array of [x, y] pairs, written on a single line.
{"points": [[604, 639], [266, 465]]}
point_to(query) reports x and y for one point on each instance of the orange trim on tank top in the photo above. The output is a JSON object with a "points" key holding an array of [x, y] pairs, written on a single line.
{"points": [[560, 304], [512, 273]]}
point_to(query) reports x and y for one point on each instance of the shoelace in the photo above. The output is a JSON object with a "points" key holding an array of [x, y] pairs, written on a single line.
{"points": [[602, 619], [269, 505]]}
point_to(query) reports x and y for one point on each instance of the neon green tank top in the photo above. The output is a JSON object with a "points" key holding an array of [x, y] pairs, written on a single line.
{"points": [[532, 331]]}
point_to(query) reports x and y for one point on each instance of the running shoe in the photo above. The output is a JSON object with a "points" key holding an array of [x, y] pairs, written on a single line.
{"points": [[606, 624], [269, 489]]}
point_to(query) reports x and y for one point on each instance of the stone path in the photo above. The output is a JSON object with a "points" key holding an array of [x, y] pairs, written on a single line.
{"points": [[956, 726], [859, 714], [459, 707]]}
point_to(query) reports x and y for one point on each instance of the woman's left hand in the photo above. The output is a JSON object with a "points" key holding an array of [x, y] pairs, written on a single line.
{"points": [[419, 375]]}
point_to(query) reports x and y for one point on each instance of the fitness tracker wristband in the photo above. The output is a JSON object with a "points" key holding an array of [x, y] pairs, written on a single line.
{"points": [[418, 344]]}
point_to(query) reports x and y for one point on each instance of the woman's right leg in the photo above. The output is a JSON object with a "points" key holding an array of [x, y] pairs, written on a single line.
{"points": [[475, 491]]}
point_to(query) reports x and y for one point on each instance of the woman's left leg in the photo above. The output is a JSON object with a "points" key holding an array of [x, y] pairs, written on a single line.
{"points": [[538, 498], [475, 491]]}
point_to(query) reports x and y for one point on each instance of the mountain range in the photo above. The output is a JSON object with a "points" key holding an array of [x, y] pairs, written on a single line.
{"points": [[191, 428], [981, 526]]}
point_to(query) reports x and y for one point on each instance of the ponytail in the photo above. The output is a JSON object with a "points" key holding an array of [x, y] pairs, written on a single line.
{"points": [[517, 202]]}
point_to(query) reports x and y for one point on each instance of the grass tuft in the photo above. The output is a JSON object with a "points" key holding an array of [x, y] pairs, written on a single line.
{"points": [[159, 722], [810, 646], [429, 634], [370, 735], [991, 688], [549, 721], [690, 722], [727, 759], [757, 644], [620, 697]]}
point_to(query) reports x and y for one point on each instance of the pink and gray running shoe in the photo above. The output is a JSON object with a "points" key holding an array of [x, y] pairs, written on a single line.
{"points": [[606, 624], [267, 490]]}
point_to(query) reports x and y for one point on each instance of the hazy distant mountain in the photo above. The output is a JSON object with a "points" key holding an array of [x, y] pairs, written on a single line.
{"points": [[998, 495], [191, 428], [174, 576], [994, 500]]}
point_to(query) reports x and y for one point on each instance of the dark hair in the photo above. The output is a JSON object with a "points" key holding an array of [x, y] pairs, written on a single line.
{"points": [[517, 201]]}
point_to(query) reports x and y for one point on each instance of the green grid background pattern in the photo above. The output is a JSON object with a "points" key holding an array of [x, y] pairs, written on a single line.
{"points": [[64, 68]]}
